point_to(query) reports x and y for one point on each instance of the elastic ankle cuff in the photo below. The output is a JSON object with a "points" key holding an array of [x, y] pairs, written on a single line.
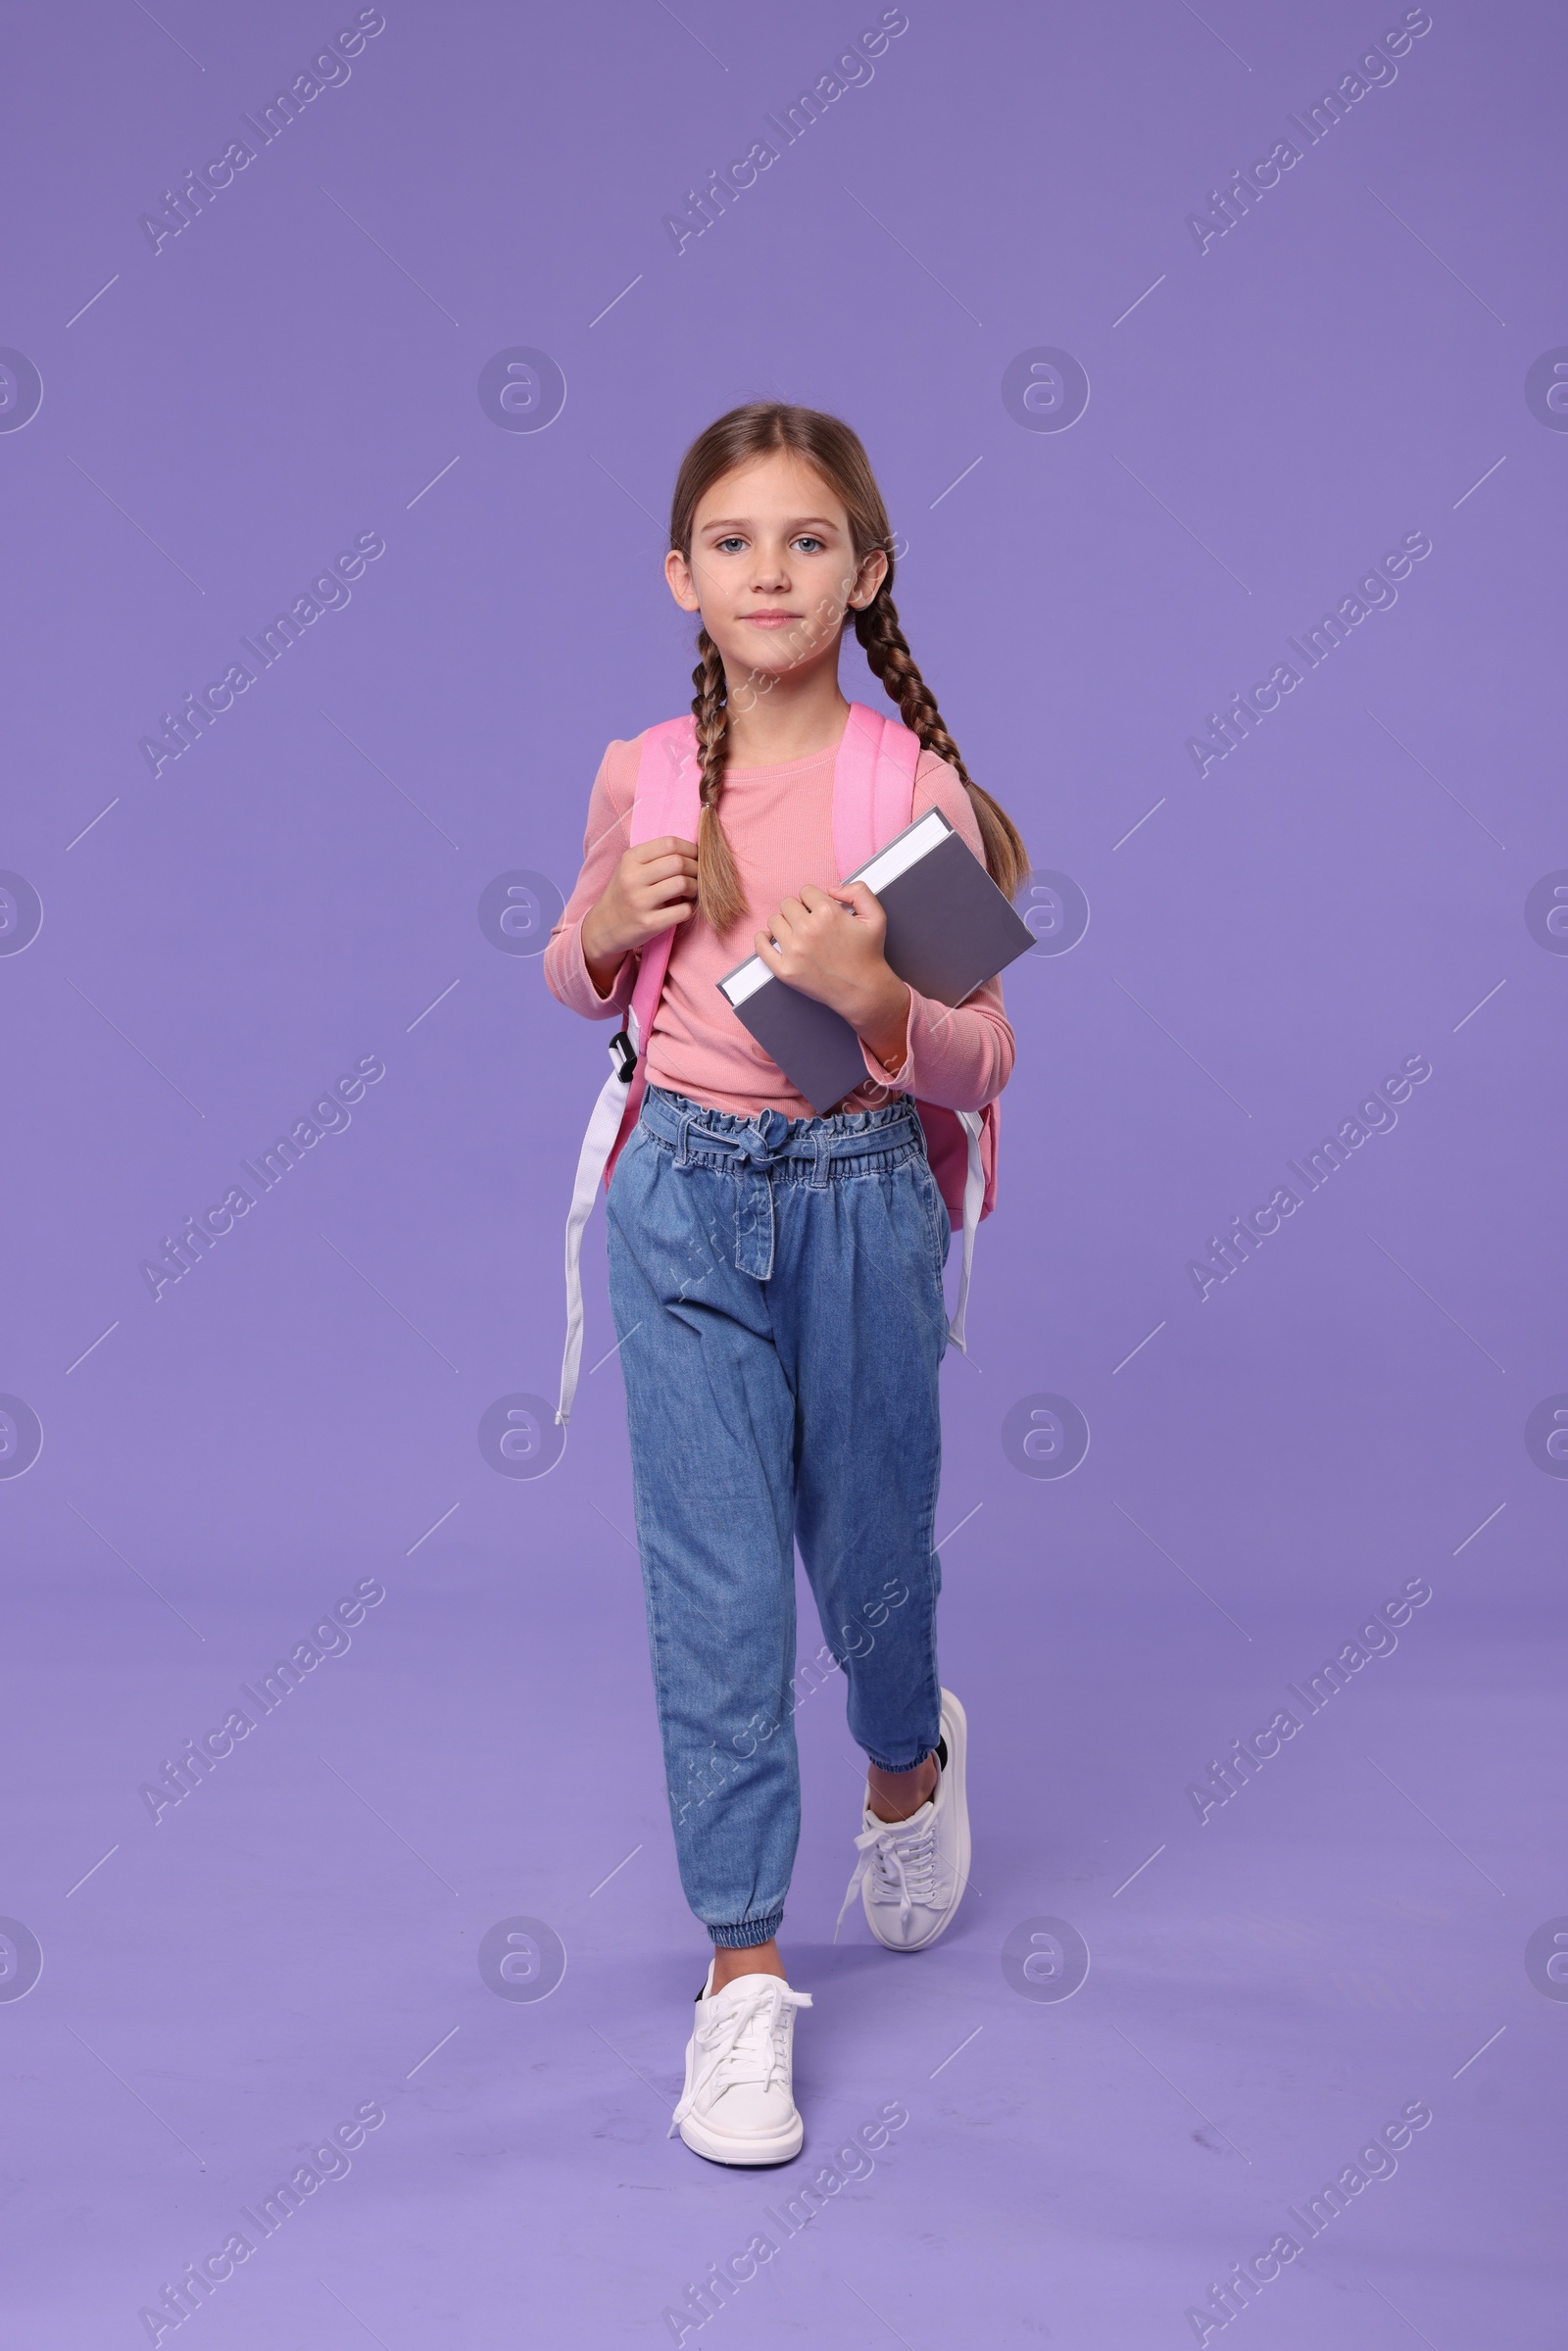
{"points": [[749, 1934]]}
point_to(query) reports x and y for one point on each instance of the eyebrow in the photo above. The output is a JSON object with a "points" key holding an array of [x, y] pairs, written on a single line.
{"points": [[744, 522]]}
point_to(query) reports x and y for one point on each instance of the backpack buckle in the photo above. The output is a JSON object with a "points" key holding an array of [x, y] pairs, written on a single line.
{"points": [[625, 1053]]}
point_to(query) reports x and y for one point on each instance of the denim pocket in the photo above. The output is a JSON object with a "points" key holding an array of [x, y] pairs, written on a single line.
{"points": [[939, 1225]]}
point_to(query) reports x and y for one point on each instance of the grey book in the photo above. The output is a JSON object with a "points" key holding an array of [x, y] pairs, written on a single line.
{"points": [[950, 930]]}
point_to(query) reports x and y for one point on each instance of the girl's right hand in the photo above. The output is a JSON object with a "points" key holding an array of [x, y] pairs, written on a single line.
{"points": [[652, 890]]}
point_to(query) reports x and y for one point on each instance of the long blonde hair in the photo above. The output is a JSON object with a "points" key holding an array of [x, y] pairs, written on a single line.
{"points": [[837, 453]]}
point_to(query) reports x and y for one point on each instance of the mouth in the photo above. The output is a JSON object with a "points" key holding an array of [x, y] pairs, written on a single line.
{"points": [[771, 620]]}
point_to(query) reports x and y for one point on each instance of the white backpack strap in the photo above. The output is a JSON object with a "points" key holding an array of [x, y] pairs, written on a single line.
{"points": [[597, 1145], [974, 1191], [662, 790]]}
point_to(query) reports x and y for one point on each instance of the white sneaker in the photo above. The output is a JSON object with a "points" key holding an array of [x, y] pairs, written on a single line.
{"points": [[738, 2105], [912, 1874]]}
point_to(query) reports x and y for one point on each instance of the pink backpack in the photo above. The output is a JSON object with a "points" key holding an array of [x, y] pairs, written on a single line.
{"points": [[873, 798]]}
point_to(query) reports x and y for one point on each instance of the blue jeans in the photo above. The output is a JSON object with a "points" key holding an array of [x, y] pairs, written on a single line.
{"points": [[777, 1291]]}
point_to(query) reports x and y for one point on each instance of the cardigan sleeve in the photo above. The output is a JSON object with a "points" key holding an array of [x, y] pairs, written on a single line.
{"points": [[960, 1056], [605, 843]]}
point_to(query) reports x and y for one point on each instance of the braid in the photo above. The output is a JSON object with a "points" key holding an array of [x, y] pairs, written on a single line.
{"points": [[889, 658], [718, 890]]}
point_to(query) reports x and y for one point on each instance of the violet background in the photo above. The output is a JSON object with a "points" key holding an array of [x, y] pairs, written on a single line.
{"points": [[301, 888]]}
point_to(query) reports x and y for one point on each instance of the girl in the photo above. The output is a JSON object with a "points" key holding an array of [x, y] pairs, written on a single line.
{"points": [[776, 1276]]}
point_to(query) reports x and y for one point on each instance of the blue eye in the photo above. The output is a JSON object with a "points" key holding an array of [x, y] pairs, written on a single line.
{"points": [[807, 540]]}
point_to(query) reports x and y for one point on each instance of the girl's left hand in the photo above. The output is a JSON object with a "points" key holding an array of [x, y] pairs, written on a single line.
{"points": [[828, 944]]}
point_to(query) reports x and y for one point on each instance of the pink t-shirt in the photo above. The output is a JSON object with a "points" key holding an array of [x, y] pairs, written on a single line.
{"points": [[779, 824]]}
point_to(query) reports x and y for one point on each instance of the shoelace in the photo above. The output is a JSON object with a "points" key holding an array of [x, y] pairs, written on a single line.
{"points": [[747, 2042], [902, 1864]]}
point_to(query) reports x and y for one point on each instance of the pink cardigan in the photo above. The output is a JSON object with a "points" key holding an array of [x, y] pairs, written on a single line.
{"points": [[779, 823]]}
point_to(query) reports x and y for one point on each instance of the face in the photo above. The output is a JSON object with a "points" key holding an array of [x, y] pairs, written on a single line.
{"points": [[772, 568]]}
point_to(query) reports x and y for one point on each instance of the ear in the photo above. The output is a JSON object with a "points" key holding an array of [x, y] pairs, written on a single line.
{"points": [[868, 579], [678, 572]]}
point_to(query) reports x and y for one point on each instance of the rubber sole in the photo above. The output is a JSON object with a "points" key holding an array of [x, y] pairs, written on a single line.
{"points": [[713, 2149]]}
